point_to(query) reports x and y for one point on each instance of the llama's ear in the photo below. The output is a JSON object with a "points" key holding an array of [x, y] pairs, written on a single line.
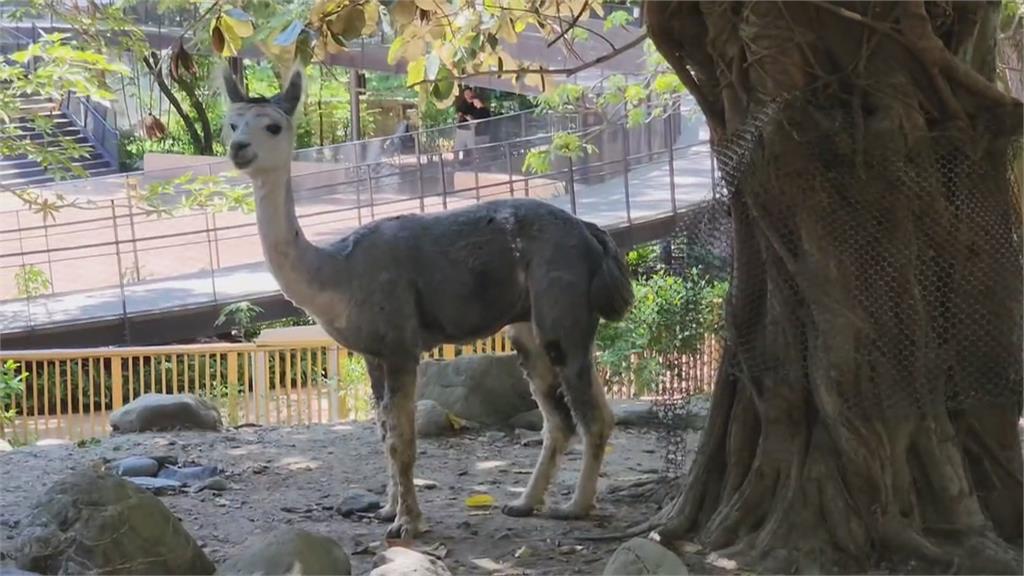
{"points": [[291, 96], [231, 88]]}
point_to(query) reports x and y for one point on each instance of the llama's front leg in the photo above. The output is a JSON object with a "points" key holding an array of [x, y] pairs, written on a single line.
{"points": [[400, 415], [375, 369]]}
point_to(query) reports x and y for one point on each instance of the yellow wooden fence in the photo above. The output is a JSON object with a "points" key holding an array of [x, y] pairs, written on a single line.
{"points": [[288, 376]]}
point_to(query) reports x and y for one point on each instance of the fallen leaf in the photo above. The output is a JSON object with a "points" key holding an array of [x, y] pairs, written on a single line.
{"points": [[480, 501], [523, 552]]}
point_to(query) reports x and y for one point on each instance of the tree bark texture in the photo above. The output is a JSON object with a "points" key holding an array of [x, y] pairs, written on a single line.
{"points": [[866, 410]]}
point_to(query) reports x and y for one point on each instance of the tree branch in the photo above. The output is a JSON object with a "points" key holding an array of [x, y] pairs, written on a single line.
{"points": [[558, 71], [571, 25]]}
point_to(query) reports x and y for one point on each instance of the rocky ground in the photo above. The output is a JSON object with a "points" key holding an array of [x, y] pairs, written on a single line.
{"points": [[297, 476]]}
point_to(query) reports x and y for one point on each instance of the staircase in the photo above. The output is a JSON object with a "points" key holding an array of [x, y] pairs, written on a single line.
{"points": [[19, 171]]}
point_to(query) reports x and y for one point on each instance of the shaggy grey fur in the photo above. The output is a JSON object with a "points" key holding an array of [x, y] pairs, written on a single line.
{"points": [[397, 287]]}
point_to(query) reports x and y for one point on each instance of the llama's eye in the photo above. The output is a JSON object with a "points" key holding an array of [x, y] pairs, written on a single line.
{"points": [[234, 127], [274, 129]]}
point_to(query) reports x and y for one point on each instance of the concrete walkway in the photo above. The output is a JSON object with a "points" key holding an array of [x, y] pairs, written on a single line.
{"points": [[604, 204]]}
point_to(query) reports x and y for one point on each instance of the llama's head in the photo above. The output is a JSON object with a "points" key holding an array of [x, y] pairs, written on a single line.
{"points": [[261, 131]]}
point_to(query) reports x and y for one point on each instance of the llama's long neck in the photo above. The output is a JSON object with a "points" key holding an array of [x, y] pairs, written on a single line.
{"points": [[293, 259]]}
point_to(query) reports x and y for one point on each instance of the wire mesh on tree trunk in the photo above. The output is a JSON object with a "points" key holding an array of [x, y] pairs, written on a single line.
{"points": [[891, 269]]}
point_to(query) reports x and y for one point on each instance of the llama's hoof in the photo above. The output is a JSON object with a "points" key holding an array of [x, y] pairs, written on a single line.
{"points": [[569, 512], [404, 529], [386, 514], [518, 509]]}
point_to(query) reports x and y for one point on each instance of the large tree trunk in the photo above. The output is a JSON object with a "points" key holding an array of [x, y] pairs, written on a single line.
{"points": [[866, 411]]}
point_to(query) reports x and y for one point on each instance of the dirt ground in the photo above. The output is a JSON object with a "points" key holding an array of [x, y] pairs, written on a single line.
{"points": [[296, 476]]}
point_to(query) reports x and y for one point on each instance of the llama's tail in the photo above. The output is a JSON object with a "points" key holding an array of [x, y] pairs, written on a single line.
{"points": [[611, 291]]}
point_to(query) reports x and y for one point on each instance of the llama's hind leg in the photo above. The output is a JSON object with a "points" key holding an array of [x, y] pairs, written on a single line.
{"points": [[375, 369], [590, 407], [400, 415], [558, 425]]}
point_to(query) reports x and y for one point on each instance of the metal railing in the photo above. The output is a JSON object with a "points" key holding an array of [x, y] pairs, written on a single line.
{"points": [[113, 259], [95, 125]]}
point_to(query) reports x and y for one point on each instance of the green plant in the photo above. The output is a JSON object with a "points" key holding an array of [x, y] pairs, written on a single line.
{"points": [[672, 315], [31, 281], [242, 316], [354, 386], [12, 385]]}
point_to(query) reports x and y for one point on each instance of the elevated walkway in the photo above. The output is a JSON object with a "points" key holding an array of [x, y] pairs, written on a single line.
{"points": [[119, 276]]}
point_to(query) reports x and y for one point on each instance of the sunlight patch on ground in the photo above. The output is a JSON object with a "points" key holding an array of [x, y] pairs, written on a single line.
{"points": [[491, 464], [298, 463], [341, 428]]}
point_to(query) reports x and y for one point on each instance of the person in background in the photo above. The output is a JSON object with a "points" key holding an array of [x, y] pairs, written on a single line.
{"points": [[464, 134]]}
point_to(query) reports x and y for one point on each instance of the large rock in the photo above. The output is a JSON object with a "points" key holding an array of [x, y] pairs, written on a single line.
{"points": [[640, 557], [290, 551], [134, 466], [486, 389], [94, 522], [634, 413], [398, 561], [166, 412], [432, 420], [532, 421]]}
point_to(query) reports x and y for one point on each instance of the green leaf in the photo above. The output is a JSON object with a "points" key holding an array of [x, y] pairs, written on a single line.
{"points": [[617, 19], [396, 49], [415, 72]]}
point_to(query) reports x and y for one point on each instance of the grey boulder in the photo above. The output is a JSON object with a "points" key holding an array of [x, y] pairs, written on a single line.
{"points": [[158, 486], [289, 551], [532, 421], [154, 412], [641, 557], [134, 466], [486, 389], [399, 561], [634, 413], [358, 502], [94, 522], [432, 420], [189, 476]]}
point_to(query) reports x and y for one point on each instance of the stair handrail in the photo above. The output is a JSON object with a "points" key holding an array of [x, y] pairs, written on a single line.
{"points": [[109, 141]]}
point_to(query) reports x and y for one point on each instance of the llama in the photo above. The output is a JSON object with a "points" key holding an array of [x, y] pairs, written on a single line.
{"points": [[396, 287]]}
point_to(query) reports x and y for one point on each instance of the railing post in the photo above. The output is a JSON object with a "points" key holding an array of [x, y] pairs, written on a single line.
{"points": [[120, 275], [369, 186], [116, 383], [444, 182], [625, 171], [508, 166], [233, 388], [359, 205], [259, 387], [216, 240], [670, 143], [572, 187], [131, 226], [209, 250], [419, 170], [333, 393]]}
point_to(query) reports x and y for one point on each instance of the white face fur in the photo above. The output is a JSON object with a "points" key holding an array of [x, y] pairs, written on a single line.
{"points": [[259, 131]]}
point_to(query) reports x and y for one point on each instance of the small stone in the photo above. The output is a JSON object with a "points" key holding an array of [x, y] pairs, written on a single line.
{"points": [[642, 557], [535, 441], [158, 486], [291, 551], [399, 561], [494, 436], [189, 476], [432, 420], [135, 466], [358, 502], [216, 484]]}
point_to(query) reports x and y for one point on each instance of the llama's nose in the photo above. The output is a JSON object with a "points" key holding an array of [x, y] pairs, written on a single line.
{"points": [[237, 147]]}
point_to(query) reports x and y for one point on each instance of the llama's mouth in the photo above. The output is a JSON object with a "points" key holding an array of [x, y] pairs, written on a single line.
{"points": [[242, 163]]}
